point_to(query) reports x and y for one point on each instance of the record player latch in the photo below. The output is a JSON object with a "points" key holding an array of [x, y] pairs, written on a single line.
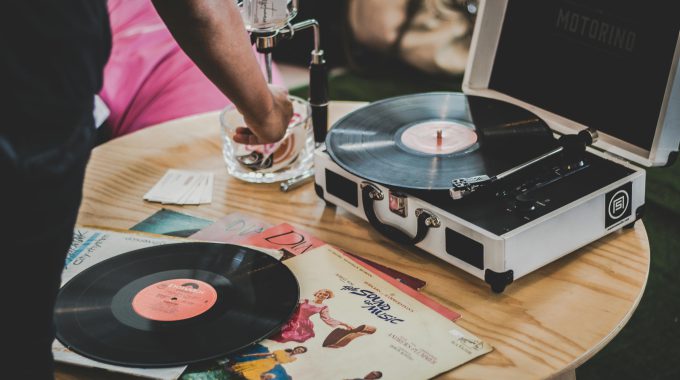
{"points": [[431, 221], [373, 191]]}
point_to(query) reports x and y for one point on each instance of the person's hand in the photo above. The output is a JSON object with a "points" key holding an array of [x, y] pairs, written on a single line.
{"points": [[267, 126], [346, 326]]}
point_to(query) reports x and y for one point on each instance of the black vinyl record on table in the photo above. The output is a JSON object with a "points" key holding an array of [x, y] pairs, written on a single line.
{"points": [[175, 304], [370, 142]]}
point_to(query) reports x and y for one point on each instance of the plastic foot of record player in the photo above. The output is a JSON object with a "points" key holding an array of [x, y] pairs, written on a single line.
{"points": [[319, 192], [639, 212], [498, 281]]}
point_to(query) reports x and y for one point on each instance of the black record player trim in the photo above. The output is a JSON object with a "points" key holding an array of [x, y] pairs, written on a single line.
{"points": [[342, 188], [464, 248]]}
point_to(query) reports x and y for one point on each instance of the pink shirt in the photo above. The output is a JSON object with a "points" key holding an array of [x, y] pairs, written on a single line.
{"points": [[149, 79]]}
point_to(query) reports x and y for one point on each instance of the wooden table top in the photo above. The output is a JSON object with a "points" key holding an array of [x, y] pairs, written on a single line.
{"points": [[543, 325]]}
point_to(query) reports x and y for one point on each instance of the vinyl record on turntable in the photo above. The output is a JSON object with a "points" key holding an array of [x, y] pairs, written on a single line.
{"points": [[423, 141], [174, 304]]}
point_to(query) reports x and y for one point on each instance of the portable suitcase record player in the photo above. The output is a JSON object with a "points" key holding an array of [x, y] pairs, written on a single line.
{"points": [[564, 102]]}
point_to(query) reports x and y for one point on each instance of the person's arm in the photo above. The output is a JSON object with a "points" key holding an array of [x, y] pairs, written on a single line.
{"points": [[212, 34]]}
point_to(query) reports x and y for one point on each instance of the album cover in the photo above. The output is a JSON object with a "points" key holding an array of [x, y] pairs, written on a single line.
{"points": [[231, 229], [291, 241], [172, 223], [286, 238], [237, 228], [412, 282], [350, 324]]}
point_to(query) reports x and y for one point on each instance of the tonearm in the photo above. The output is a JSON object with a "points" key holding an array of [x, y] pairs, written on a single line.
{"points": [[571, 147]]}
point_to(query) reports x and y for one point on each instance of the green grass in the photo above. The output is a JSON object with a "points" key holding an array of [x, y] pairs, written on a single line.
{"points": [[649, 345]]}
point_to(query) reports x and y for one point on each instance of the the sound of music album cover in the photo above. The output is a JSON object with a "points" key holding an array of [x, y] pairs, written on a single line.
{"points": [[291, 241], [351, 324]]}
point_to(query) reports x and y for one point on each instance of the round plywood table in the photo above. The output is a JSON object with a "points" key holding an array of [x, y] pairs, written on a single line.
{"points": [[544, 325]]}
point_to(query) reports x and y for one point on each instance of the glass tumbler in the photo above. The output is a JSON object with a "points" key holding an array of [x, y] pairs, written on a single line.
{"points": [[266, 163]]}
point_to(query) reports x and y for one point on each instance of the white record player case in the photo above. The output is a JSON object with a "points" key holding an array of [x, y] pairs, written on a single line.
{"points": [[567, 214]]}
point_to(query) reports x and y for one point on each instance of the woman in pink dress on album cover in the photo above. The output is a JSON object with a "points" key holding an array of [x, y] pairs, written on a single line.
{"points": [[300, 328]]}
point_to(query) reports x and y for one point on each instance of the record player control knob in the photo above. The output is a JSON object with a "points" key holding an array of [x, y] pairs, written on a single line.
{"points": [[524, 203]]}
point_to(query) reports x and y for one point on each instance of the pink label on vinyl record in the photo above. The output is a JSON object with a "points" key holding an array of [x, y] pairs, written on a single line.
{"points": [[438, 137], [174, 300]]}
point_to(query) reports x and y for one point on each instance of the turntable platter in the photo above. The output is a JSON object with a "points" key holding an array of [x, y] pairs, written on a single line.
{"points": [[424, 141]]}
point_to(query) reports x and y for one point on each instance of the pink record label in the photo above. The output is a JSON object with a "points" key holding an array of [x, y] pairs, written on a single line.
{"points": [[174, 300], [438, 137]]}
